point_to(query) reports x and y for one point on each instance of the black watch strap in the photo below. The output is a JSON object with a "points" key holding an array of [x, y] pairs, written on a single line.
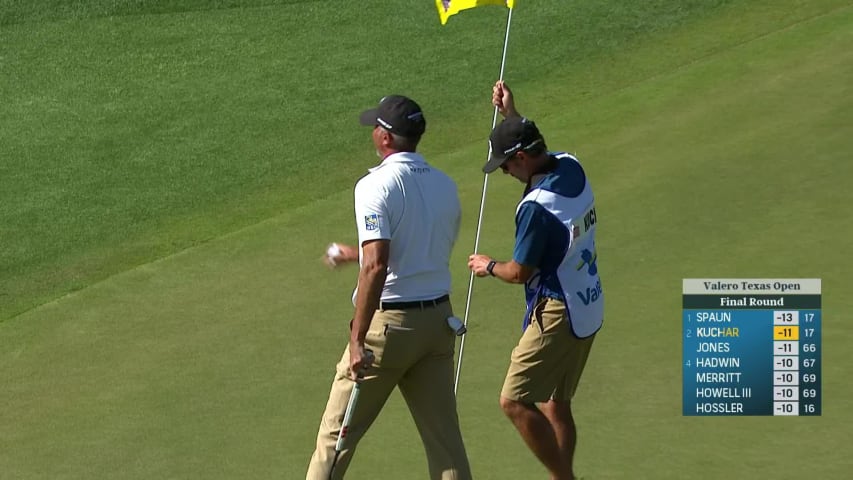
{"points": [[491, 267]]}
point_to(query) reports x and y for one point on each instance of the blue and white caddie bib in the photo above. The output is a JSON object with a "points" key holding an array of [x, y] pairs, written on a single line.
{"points": [[577, 274]]}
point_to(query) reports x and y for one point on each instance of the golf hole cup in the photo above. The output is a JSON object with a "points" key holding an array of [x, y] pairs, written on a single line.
{"points": [[456, 325], [332, 254]]}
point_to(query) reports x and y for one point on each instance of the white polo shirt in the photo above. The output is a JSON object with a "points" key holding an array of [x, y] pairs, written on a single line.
{"points": [[416, 207]]}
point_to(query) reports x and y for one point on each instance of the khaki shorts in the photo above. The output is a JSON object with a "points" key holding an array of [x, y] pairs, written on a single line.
{"points": [[548, 361]]}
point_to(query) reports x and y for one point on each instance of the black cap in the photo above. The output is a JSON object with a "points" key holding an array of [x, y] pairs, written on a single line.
{"points": [[397, 114], [511, 136]]}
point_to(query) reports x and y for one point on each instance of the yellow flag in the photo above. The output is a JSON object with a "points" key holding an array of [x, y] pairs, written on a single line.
{"points": [[446, 8]]}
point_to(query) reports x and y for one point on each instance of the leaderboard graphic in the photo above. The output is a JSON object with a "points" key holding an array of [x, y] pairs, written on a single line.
{"points": [[751, 347]]}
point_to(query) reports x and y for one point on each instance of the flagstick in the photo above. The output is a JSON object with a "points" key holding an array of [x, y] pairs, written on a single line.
{"points": [[480, 217]]}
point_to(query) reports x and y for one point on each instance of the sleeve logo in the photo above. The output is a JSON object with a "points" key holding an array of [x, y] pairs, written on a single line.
{"points": [[371, 222]]}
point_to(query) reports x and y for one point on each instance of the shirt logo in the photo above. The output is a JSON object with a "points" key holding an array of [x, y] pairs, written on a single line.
{"points": [[371, 222]]}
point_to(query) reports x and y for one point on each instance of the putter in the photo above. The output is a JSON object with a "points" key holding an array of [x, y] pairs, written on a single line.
{"points": [[353, 399]]}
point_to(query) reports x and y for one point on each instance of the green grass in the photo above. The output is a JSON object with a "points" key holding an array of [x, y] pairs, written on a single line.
{"points": [[40, 11], [130, 137], [716, 135]]}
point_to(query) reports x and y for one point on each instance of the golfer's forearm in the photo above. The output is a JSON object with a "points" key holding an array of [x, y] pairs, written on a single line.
{"points": [[371, 279], [511, 272]]}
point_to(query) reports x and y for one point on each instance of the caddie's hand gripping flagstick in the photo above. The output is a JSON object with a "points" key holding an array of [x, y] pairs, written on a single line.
{"points": [[480, 218], [353, 399]]}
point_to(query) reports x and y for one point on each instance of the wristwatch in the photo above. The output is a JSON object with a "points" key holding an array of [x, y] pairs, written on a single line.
{"points": [[491, 267]]}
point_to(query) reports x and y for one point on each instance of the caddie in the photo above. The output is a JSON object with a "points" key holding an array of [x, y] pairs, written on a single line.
{"points": [[555, 258]]}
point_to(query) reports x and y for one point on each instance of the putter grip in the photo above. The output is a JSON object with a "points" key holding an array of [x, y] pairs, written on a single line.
{"points": [[353, 398]]}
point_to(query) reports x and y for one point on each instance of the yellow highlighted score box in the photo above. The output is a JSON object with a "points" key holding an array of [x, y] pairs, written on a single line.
{"points": [[786, 333]]}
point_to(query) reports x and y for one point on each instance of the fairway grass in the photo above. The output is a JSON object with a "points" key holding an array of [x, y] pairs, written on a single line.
{"points": [[717, 149]]}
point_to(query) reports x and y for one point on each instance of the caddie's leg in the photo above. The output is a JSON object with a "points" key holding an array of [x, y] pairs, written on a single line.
{"points": [[537, 433], [375, 389], [537, 370], [559, 415], [428, 390], [559, 409]]}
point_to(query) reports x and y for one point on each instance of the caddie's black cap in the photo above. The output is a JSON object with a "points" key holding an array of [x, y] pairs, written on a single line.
{"points": [[508, 138], [397, 114]]}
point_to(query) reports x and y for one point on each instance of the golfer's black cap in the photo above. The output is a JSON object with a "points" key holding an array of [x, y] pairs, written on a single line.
{"points": [[397, 114], [508, 138]]}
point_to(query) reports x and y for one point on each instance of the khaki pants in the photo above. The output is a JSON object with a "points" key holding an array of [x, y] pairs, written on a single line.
{"points": [[413, 350]]}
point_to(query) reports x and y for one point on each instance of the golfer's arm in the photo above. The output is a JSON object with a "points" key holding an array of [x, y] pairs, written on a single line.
{"points": [[371, 280], [513, 272]]}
